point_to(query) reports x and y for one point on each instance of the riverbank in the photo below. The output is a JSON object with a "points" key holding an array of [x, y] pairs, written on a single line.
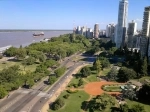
{"points": [[25, 37]]}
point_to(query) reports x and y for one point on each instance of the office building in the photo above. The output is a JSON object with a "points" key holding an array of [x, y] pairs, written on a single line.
{"points": [[122, 21], [110, 31], [132, 29], [78, 30], [83, 30], [96, 30], [144, 45], [89, 33]]}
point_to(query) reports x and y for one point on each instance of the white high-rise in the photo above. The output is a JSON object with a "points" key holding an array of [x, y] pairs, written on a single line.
{"points": [[110, 31], [122, 21]]}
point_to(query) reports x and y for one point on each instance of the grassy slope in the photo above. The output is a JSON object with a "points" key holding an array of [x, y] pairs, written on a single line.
{"points": [[130, 103], [73, 103]]}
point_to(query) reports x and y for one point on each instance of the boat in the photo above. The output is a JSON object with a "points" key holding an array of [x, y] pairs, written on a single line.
{"points": [[38, 34]]}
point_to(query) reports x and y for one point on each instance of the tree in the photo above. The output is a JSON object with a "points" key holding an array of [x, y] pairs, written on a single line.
{"points": [[97, 65], [144, 94], [3, 92], [137, 108], [85, 71], [60, 71], [104, 62], [124, 108], [112, 75], [80, 82], [58, 104], [11, 51], [124, 74], [1, 56], [144, 67], [101, 102], [52, 79], [129, 92], [42, 57], [30, 60], [21, 53]]}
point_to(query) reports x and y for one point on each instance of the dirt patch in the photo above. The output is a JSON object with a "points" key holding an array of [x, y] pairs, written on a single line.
{"points": [[94, 88]]}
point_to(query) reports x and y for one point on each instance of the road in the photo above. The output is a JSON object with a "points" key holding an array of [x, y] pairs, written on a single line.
{"points": [[18, 101], [11, 102], [43, 100]]}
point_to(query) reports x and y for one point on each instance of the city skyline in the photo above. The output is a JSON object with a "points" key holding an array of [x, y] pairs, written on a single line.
{"points": [[66, 14]]}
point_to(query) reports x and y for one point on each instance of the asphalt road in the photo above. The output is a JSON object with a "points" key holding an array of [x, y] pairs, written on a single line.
{"points": [[28, 97], [40, 103], [17, 106], [43, 100]]}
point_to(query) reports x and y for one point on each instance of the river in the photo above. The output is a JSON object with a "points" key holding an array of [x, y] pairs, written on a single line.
{"points": [[24, 38]]}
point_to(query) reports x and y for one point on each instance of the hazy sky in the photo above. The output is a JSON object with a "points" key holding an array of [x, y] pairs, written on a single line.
{"points": [[64, 14]]}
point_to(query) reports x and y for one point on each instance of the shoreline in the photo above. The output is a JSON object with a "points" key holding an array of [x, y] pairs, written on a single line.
{"points": [[16, 38]]}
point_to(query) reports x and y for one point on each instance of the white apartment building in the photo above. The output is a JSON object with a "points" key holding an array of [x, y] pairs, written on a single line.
{"points": [[122, 21]]}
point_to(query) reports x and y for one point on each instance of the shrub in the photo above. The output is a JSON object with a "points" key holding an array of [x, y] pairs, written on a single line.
{"points": [[70, 91], [66, 96], [1, 56], [58, 104], [75, 85]]}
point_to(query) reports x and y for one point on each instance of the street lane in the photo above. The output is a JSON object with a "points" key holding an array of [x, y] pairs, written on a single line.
{"points": [[5, 101], [40, 103], [15, 94]]}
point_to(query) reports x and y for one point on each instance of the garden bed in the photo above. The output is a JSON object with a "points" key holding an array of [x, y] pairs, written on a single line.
{"points": [[112, 88]]}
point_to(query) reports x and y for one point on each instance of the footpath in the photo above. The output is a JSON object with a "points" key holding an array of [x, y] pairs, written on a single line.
{"points": [[62, 88]]}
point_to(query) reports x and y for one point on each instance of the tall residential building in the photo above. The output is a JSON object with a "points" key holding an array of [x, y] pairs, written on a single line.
{"points": [[78, 30], [110, 31], [96, 30], [89, 33], [132, 29], [146, 22], [122, 21], [144, 45], [83, 30]]}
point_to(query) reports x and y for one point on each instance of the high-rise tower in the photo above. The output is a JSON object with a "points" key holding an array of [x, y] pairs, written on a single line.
{"points": [[122, 21], [96, 30], [132, 30], [145, 40]]}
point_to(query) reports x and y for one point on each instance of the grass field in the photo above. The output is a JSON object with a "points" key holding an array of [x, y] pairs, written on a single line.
{"points": [[105, 72], [143, 79], [73, 103], [7, 64], [130, 103], [92, 78]]}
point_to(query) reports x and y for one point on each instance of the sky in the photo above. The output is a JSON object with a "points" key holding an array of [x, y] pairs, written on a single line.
{"points": [[65, 14]]}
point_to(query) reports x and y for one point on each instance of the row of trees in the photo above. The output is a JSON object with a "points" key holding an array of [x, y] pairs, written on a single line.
{"points": [[45, 54], [102, 102], [58, 72]]}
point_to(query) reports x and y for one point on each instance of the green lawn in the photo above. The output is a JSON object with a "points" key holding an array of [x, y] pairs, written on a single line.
{"points": [[73, 103], [144, 78], [11, 63], [92, 78], [105, 71], [115, 88], [130, 103], [112, 87]]}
